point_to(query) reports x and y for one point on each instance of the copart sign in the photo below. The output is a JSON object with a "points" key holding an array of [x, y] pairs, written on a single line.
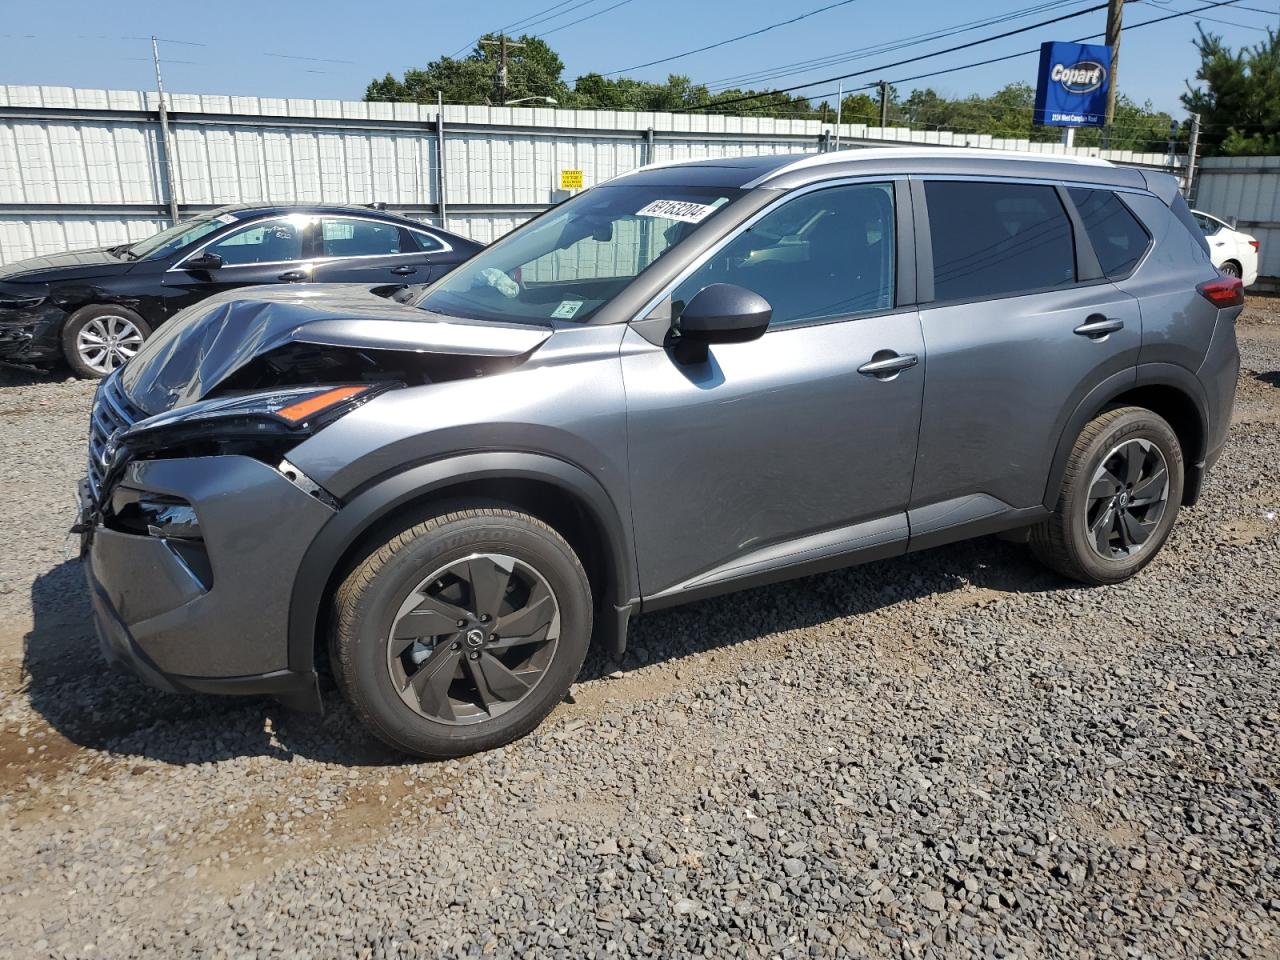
{"points": [[1071, 90]]}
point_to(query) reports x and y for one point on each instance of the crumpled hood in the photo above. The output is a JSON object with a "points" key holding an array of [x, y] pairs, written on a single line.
{"points": [[191, 354], [72, 265]]}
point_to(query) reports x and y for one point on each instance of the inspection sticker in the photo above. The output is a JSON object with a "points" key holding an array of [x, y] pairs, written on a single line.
{"points": [[225, 218], [677, 210], [567, 309]]}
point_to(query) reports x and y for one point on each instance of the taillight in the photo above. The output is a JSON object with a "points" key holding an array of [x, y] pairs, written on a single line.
{"points": [[1255, 244], [1223, 292]]}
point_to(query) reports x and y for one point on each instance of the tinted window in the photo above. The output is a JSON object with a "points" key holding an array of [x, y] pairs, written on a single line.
{"points": [[344, 237], [997, 239], [1188, 220], [1116, 235], [425, 241], [266, 241], [825, 254]]}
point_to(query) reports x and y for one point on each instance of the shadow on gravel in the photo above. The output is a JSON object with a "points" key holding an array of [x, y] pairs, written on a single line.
{"points": [[103, 707], [722, 622], [97, 706], [1272, 377], [16, 375]]}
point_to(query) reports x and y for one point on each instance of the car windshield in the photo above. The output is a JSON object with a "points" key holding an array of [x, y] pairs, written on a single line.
{"points": [[178, 236], [578, 256]]}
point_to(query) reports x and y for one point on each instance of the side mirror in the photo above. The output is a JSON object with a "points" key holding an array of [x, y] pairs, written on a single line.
{"points": [[206, 261], [720, 313]]}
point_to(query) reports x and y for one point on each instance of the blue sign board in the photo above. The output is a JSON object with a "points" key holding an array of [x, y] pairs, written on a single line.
{"points": [[1072, 87]]}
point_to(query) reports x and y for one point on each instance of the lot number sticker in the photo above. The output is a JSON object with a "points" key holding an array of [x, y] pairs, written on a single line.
{"points": [[676, 210], [567, 309]]}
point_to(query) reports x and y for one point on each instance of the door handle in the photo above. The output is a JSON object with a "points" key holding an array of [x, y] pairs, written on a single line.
{"points": [[885, 364], [1098, 327], [404, 271], [293, 276]]}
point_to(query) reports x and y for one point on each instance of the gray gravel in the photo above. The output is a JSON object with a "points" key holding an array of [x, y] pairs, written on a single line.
{"points": [[949, 754]]}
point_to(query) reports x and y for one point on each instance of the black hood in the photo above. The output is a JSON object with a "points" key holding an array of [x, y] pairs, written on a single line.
{"points": [[72, 265], [189, 356]]}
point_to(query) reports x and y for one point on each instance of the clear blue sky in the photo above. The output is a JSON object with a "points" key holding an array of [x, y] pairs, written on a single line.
{"points": [[249, 46]]}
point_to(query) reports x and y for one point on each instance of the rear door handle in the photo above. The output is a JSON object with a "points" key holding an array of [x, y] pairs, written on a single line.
{"points": [[293, 276], [885, 364], [1098, 327], [404, 271]]}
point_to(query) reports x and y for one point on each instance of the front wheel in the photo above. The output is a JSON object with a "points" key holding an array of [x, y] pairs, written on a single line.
{"points": [[1119, 498], [461, 633], [98, 339]]}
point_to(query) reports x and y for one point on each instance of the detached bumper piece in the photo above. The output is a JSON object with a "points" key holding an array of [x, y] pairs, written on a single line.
{"points": [[31, 335], [202, 605]]}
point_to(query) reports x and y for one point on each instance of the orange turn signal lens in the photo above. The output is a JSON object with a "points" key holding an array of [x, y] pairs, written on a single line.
{"points": [[300, 411]]}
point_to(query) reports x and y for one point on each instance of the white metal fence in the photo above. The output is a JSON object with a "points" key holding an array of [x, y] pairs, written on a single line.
{"points": [[85, 168], [1248, 189]]}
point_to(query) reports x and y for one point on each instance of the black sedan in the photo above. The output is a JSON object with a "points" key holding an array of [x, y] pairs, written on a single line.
{"points": [[95, 307]]}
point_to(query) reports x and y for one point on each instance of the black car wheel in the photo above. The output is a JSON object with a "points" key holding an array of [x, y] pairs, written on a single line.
{"points": [[98, 339], [1230, 269], [462, 632], [1119, 498]]}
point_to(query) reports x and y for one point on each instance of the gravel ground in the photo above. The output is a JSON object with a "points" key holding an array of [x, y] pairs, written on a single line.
{"points": [[948, 754]]}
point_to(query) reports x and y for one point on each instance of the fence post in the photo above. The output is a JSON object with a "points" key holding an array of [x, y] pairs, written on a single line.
{"points": [[648, 147], [441, 183], [165, 143]]}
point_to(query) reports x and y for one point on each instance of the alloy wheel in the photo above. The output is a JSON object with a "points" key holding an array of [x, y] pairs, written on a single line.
{"points": [[105, 343], [1127, 498], [473, 639]]}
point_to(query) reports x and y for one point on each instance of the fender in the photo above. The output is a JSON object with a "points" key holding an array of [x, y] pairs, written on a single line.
{"points": [[385, 496], [1144, 375]]}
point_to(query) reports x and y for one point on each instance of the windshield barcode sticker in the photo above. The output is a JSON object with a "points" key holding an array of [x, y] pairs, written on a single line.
{"points": [[567, 309], [225, 218], [676, 210]]}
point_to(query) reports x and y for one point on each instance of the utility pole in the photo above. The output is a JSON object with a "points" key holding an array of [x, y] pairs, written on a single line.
{"points": [[1115, 22], [1192, 145], [839, 111], [503, 43], [164, 134], [884, 103]]}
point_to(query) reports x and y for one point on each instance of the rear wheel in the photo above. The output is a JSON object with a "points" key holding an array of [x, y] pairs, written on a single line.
{"points": [[98, 339], [1119, 498], [461, 633], [1231, 269]]}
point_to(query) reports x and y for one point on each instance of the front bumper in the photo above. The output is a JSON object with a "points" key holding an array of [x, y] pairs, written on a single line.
{"points": [[220, 628], [31, 335]]}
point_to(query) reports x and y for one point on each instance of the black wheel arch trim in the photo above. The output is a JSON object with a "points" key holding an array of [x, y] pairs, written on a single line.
{"points": [[380, 499], [1106, 392]]}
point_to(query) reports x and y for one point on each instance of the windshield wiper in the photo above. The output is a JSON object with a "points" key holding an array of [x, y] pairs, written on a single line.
{"points": [[122, 251]]}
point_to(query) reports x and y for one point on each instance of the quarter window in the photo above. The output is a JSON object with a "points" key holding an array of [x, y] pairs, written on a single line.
{"points": [[823, 255], [266, 241], [425, 241], [345, 237], [1116, 235], [997, 239]]}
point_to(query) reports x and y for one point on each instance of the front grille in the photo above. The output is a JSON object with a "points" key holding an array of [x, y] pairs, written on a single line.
{"points": [[112, 414]]}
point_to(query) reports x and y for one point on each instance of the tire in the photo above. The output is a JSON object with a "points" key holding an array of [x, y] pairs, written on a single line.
{"points": [[1230, 269], [119, 330], [1107, 526], [485, 689]]}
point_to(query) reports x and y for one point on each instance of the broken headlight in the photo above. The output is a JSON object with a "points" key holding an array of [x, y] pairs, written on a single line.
{"points": [[257, 424]]}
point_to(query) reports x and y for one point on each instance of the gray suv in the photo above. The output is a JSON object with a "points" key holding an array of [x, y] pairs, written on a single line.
{"points": [[689, 380]]}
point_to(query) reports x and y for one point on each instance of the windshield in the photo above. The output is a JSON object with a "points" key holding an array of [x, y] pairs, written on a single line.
{"points": [[178, 236], [578, 256]]}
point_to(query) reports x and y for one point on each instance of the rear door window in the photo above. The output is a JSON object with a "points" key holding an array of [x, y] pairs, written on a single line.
{"points": [[993, 239], [347, 237], [1118, 239]]}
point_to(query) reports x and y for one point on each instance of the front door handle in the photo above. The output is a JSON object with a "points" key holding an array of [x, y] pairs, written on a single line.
{"points": [[885, 364], [293, 276], [1098, 327], [404, 271]]}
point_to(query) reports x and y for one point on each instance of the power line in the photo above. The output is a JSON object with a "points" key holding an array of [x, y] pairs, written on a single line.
{"points": [[967, 66], [590, 16], [860, 53], [741, 36], [923, 56]]}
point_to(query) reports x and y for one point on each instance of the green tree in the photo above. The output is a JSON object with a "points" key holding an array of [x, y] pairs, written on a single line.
{"points": [[1239, 105], [533, 70]]}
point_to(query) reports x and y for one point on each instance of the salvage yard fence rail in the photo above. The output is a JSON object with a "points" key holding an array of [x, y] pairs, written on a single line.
{"points": [[86, 168]]}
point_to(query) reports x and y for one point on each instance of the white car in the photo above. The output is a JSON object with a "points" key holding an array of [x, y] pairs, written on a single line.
{"points": [[1234, 253]]}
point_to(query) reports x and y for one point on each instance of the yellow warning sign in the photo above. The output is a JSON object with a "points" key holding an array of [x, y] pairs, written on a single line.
{"points": [[570, 179]]}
